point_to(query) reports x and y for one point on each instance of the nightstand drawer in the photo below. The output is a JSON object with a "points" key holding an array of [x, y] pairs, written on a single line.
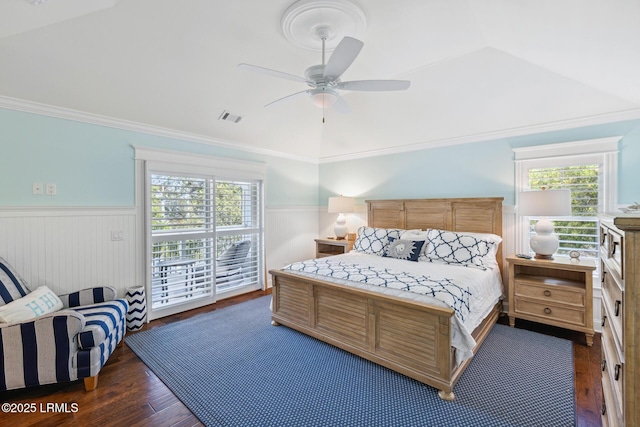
{"points": [[330, 247], [553, 294], [549, 312]]}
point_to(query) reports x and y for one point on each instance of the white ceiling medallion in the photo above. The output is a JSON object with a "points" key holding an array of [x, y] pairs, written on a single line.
{"points": [[306, 22]]}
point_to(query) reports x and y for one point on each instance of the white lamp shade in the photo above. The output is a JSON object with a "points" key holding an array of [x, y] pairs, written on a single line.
{"points": [[341, 204], [545, 203]]}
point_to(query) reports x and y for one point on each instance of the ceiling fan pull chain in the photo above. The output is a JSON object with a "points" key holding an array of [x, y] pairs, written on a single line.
{"points": [[323, 97]]}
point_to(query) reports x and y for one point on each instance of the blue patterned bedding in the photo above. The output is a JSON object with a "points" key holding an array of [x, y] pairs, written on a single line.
{"points": [[443, 289]]}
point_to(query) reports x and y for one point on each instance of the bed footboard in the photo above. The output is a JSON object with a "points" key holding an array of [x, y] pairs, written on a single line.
{"points": [[408, 337]]}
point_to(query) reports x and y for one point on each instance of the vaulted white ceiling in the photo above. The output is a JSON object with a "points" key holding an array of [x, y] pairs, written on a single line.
{"points": [[477, 68]]}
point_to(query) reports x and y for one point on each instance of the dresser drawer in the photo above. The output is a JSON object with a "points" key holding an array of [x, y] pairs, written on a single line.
{"points": [[550, 312], [551, 293], [611, 417], [612, 370], [616, 252], [613, 304], [604, 241]]}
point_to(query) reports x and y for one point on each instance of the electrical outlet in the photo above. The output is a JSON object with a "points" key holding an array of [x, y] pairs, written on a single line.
{"points": [[51, 189], [37, 188], [117, 235]]}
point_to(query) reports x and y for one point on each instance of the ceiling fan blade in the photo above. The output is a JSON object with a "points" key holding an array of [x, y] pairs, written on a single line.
{"points": [[270, 72], [374, 85], [287, 98], [342, 57], [341, 106]]}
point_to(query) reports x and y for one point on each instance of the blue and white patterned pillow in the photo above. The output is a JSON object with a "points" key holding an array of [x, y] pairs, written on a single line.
{"points": [[404, 249], [470, 249], [374, 241]]}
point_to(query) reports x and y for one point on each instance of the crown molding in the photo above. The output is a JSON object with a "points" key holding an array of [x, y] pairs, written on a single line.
{"points": [[96, 119], [618, 116]]}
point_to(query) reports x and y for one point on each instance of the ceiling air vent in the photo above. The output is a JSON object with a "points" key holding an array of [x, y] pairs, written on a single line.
{"points": [[227, 116]]}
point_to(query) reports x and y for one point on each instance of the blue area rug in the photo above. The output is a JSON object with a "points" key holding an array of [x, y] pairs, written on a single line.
{"points": [[232, 368]]}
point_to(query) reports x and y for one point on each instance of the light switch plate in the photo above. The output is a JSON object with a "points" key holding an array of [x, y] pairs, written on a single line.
{"points": [[51, 190], [37, 188]]}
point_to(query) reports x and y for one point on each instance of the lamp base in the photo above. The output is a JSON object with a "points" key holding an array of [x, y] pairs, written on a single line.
{"points": [[341, 227], [544, 243]]}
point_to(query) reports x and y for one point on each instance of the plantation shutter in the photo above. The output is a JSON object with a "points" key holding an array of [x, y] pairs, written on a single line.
{"points": [[182, 233], [580, 232], [206, 235], [238, 232]]}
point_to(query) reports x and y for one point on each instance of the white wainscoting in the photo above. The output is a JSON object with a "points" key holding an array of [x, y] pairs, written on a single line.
{"points": [[68, 249], [289, 234]]}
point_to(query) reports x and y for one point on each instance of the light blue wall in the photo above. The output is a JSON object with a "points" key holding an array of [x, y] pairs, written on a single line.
{"points": [[484, 169], [93, 165]]}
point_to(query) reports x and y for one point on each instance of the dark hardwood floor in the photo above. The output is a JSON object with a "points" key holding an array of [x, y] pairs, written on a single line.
{"points": [[129, 394]]}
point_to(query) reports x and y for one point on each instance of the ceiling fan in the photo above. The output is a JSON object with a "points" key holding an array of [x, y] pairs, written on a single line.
{"points": [[324, 79]]}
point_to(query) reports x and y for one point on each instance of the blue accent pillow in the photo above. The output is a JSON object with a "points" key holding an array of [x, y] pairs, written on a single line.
{"points": [[404, 249], [374, 241]]}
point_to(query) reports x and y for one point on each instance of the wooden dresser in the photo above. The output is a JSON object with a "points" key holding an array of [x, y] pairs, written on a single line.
{"points": [[620, 278]]}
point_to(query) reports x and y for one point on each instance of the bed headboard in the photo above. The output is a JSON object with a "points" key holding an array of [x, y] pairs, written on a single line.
{"points": [[479, 215]]}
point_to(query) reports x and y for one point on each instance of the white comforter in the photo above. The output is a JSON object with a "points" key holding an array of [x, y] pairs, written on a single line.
{"points": [[485, 287]]}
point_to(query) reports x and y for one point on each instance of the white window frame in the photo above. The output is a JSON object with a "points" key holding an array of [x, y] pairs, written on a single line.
{"points": [[168, 161], [601, 151]]}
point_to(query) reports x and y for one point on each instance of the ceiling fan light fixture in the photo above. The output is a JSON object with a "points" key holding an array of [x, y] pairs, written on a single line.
{"points": [[323, 97]]}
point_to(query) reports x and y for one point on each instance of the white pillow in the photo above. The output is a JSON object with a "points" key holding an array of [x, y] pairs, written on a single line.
{"points": [[39, 302], [374, 241], [414, 234], [469, 249]]}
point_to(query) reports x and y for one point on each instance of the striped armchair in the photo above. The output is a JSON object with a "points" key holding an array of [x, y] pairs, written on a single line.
{"points": [[64, 345]]}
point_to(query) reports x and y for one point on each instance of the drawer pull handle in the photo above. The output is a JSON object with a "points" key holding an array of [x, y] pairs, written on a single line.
{"points": [[617, 307], [547, 293], [547, 310], [604, 318], [616, 372], [613, 249], [604, 273], [604, 364], [604, 408]]}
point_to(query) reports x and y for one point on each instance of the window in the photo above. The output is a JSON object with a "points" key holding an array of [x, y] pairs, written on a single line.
{"points": [[205, 232], [588, 169], [581, 231]]}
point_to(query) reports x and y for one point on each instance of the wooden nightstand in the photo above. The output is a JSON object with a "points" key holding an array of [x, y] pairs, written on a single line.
{"points": [[329, 247], [555, 292]]}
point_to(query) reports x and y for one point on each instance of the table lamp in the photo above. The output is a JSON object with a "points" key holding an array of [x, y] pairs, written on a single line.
{"points": [[341, 205], [544, 203]]}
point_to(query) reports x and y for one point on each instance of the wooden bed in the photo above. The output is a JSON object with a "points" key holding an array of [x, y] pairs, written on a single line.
{"points": [[374, 326]]}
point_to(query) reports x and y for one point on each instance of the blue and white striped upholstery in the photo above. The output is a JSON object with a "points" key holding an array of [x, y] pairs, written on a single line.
{"points": [[88, 296], [12, 286], [66, 345], [39, 351], [102, 319]]}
